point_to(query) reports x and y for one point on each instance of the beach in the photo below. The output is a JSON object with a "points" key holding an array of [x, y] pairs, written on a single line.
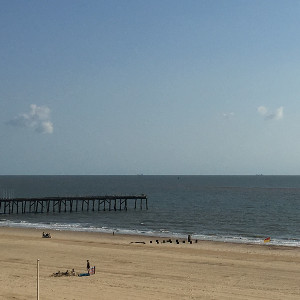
{"points": [[126, 268]]}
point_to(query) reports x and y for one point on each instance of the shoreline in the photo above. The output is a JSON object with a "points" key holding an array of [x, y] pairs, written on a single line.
{"points": [[121, 238], [129, 270], [229, 240]]}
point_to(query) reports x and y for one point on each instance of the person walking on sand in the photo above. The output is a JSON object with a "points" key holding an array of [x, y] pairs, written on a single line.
{"points": [[88, 265]]}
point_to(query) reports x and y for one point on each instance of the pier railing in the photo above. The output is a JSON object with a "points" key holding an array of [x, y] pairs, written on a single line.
{"points": [[73, 204]]}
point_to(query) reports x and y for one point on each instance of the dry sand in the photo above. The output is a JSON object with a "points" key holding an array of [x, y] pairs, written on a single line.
{"points": [[125, 270]]}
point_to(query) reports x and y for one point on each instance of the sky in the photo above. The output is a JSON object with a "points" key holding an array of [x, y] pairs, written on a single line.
{"points": [[149, 87]]}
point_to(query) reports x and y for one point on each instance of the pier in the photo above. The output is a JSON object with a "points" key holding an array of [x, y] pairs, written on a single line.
{"points": [[72, 204]]}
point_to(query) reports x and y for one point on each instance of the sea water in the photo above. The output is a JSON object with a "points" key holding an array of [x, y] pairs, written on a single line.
{"points": [[241, 209]]}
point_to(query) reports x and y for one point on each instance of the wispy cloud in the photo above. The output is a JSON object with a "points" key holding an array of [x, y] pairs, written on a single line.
{"points": [[277, 115], [38, 119], [228, 115]]}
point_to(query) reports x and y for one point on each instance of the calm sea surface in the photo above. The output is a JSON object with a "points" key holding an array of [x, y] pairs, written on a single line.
{"points": [[242, 209]]}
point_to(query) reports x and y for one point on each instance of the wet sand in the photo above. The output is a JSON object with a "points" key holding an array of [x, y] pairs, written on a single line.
{"points": [[129, 270]]}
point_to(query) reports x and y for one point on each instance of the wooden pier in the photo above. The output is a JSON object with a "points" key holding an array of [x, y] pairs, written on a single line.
{"points": [[72, 204]]}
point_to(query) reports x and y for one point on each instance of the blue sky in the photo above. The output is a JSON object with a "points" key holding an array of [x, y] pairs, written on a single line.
{"points": [[152, 87]]}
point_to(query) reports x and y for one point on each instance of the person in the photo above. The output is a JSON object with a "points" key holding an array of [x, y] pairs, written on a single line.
{"points": [[88, 265]]}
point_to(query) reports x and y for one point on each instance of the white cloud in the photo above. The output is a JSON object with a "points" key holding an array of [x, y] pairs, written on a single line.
{"points": [[262, 110], [228, 115], [277, 115], [38, 119], [45, 127]]}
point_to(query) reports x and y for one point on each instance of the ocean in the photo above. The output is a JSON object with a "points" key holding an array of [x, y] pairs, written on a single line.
{"points": [[240, 209]]}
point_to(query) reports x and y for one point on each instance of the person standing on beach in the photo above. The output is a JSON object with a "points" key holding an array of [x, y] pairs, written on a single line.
{"points": [[88, 265]]}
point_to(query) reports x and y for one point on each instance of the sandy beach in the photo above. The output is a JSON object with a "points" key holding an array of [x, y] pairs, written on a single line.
{"points": [[129, 270]]}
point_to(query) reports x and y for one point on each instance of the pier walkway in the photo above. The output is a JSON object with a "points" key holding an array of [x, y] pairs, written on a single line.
{"points": [[72, 204]]}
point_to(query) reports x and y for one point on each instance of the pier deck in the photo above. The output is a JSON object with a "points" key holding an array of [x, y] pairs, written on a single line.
{"points": [[72, 204]]}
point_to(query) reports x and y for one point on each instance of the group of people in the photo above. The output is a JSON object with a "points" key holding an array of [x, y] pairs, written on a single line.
{"points": [[46, 235], [67, 273], [90, 271]]}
